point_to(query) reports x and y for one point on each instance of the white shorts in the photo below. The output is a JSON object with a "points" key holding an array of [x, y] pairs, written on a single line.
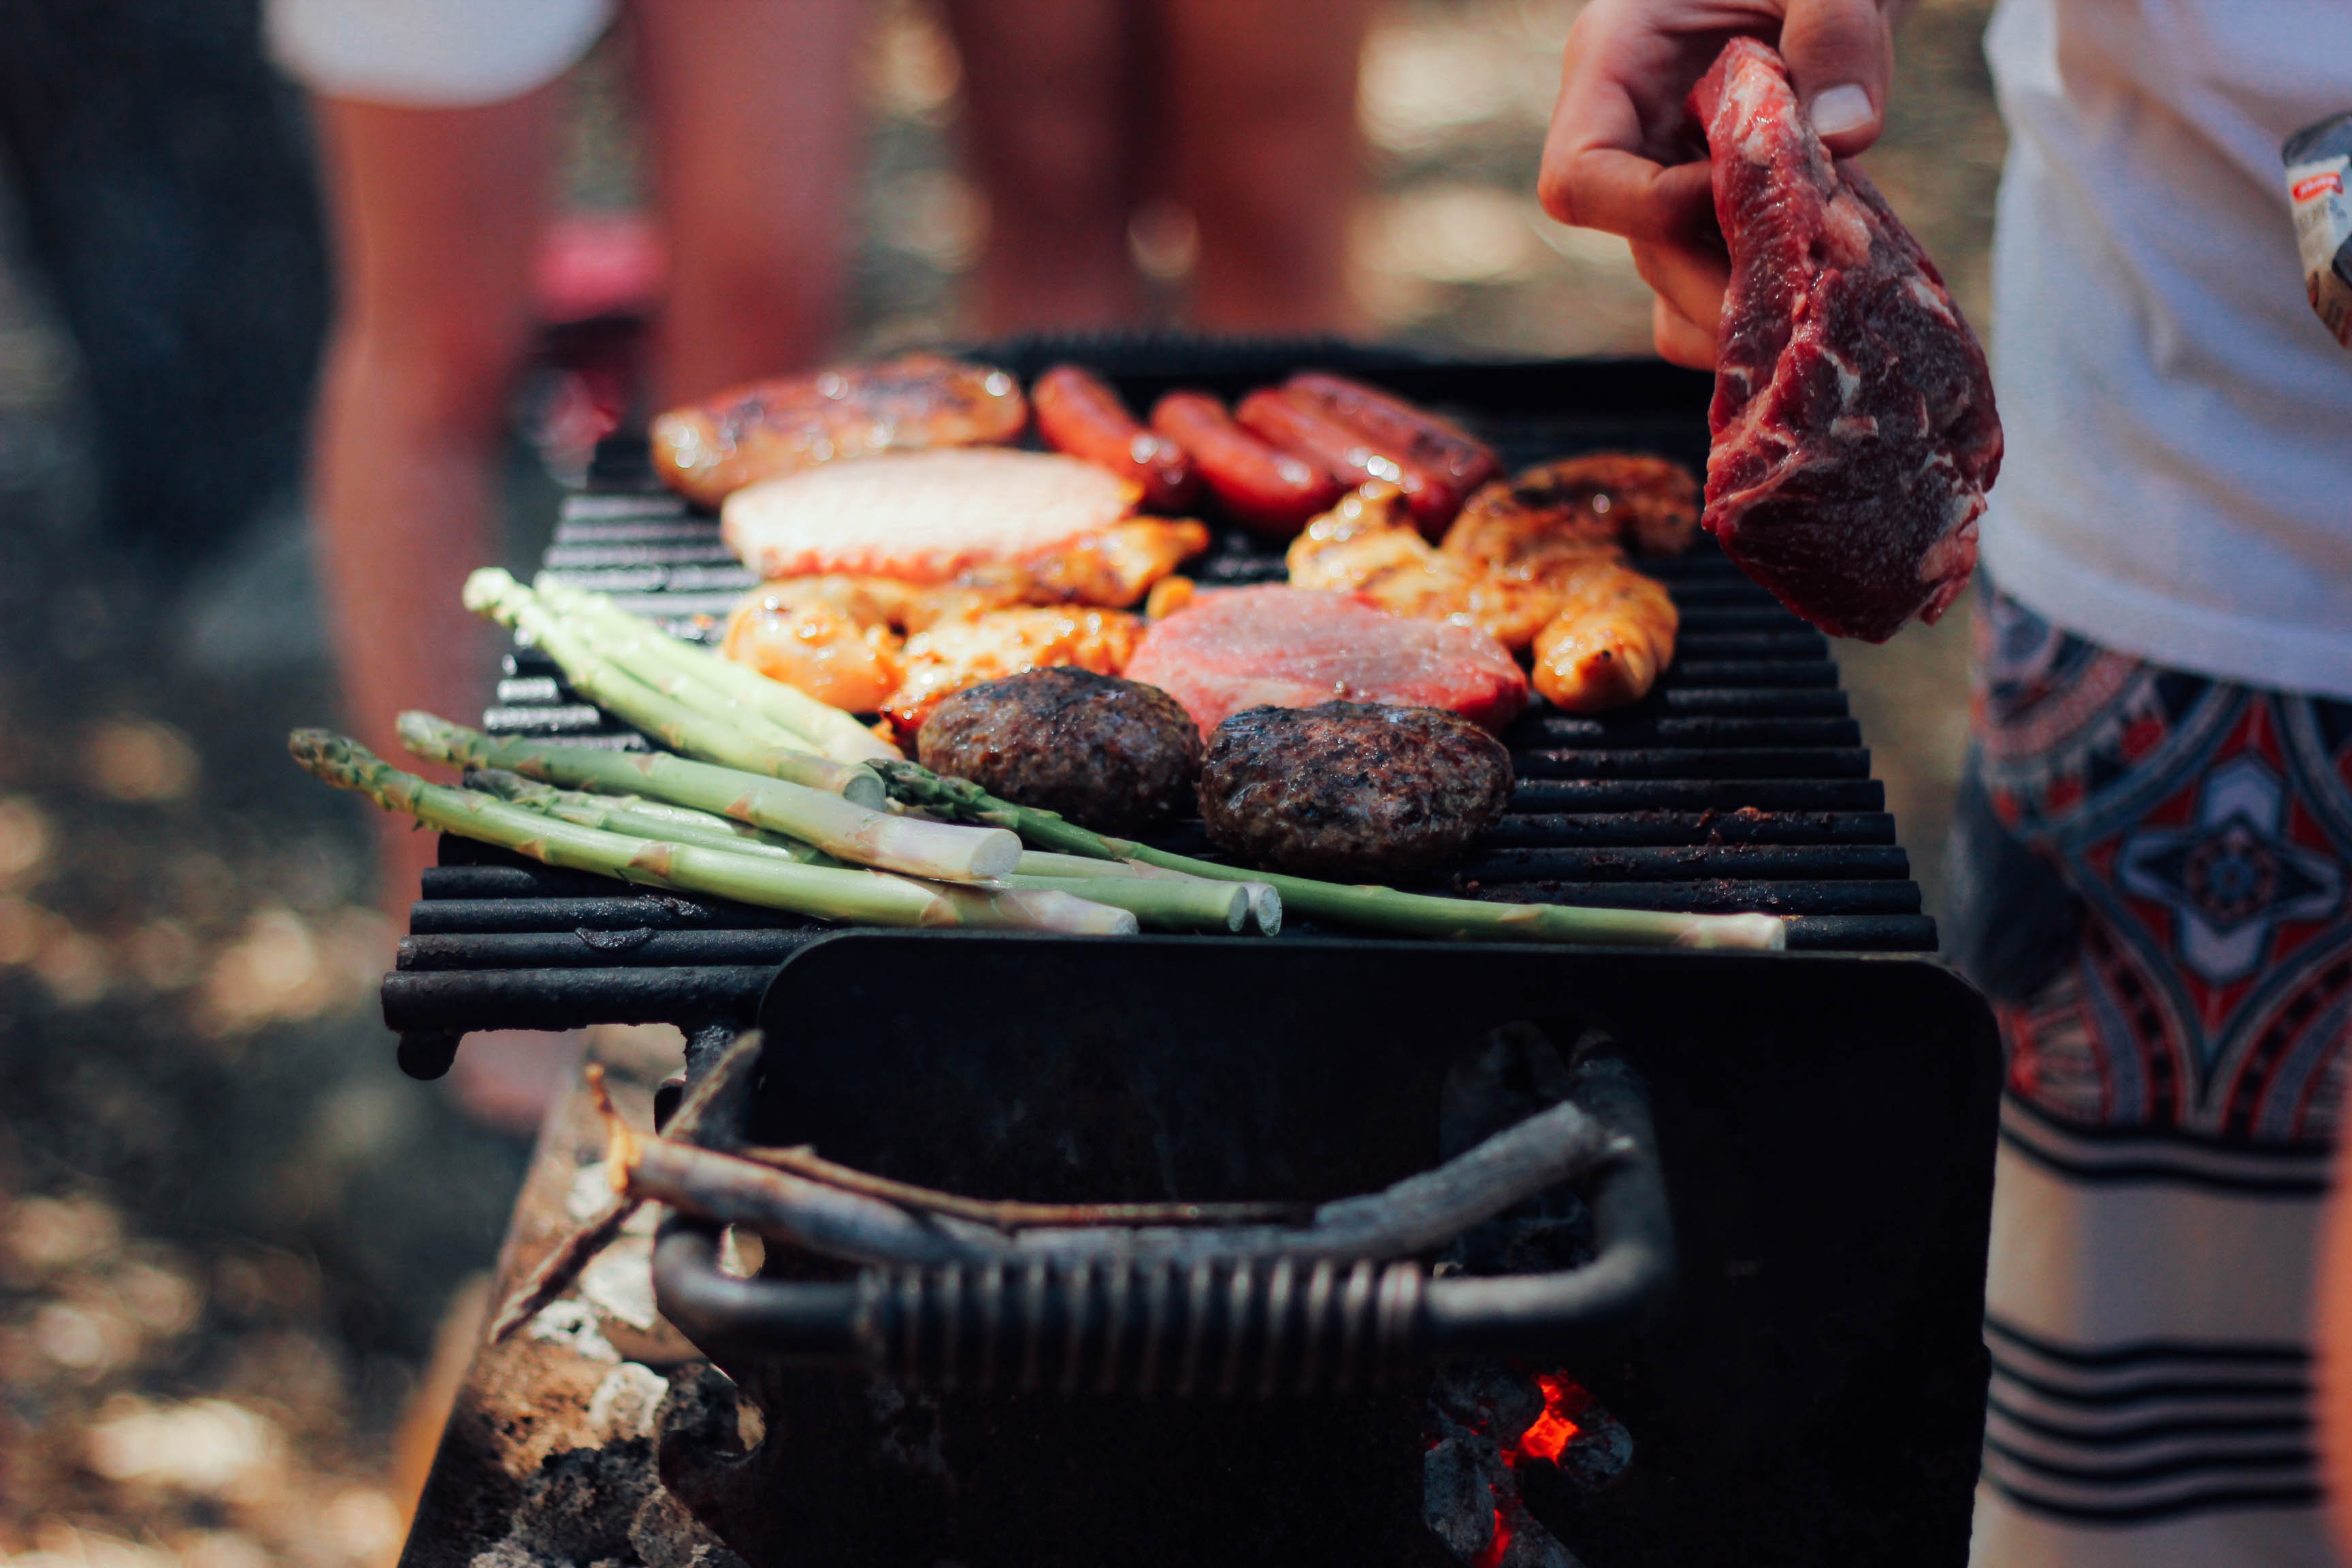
{"points": [[431, 54]]}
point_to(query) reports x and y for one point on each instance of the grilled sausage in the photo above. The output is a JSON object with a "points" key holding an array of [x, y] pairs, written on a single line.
{"points": [[1291, 421], [1077, 413], [709, 449], [1392, 424], [1265, 490]]}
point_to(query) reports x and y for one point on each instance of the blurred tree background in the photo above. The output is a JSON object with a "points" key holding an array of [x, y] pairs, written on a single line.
{"points": [[230, 1232]]}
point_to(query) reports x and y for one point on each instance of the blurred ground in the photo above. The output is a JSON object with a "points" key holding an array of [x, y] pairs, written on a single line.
{"points": [[229, 1230]]}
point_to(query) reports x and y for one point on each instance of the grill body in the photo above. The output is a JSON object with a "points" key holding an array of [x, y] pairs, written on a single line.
{"points": [[1810, 1391]]}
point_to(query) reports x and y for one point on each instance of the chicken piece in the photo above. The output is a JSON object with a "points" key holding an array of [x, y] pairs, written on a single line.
{"points": [[952, 655], [1116, 566], [1369, 544], [823, 635], [1614, 633], [1557, 511]]}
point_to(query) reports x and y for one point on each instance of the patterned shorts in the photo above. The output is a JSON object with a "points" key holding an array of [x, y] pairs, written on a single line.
{"points": [[2150, 879], [2199, 834]]}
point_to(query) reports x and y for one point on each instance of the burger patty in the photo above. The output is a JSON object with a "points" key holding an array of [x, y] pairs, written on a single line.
{"points": [[1109, 754], [1353, 792]]}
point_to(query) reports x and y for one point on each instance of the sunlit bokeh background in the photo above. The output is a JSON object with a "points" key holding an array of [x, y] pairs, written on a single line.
{"points": [[231, 1236]]}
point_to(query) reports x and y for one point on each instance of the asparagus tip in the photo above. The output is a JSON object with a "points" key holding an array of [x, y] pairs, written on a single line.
{"points": [[486, 586]]}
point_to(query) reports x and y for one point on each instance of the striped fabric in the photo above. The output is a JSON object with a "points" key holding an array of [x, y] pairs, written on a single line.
{"points": [[2177, 1073], [2128, 1433]]}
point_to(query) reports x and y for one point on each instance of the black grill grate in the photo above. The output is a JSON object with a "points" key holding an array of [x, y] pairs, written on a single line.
{"points": [[1740, 783]]}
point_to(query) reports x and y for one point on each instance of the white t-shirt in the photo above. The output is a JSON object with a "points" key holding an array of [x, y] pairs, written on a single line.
{"points": [[2179, 477]]}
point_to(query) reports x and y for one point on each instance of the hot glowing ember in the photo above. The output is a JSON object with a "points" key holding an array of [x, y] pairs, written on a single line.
{"points": [[1498, 1544], [1548, 1437]]}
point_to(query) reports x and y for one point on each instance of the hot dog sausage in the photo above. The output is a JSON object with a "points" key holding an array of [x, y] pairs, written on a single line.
{"points": [[1079, 414], [1395, 426], [1291, 421], [1265, 490]]}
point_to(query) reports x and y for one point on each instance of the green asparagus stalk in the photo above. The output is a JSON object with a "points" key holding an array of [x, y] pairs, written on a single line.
{"points": [[1171, 905], [737, 740], [834, 733], [1368, 908], [942, 851], [1063, 907], [866, 898], [1265, 903], [641, 818]]}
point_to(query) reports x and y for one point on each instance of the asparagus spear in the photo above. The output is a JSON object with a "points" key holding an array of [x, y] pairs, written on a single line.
{"points": [[1377, 908], [641, 818], [865, 898], [1172, 905], [733, 738], [836, 734], [936, 849]]}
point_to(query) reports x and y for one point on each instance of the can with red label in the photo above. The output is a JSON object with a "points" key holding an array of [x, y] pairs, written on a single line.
{"points": [[2318, 160]]}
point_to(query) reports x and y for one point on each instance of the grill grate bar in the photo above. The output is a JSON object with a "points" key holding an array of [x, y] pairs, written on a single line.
{"points": [[1731, 793], [1681, 862], [1715, 895], [1695, 763], [577, 950], [1688, 730], [1666, 828]]}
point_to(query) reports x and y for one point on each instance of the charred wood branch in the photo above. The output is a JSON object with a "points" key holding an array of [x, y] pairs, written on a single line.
{"points": [[1412, 1216], [554, 1276], [1009, 1215], [1225, 1325]]}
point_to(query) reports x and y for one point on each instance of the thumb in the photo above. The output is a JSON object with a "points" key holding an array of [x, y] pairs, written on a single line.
{"points": [[1840, 54]]}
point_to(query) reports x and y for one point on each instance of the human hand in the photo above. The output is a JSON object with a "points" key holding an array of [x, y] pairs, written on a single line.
{"points": [[1622, 156]]}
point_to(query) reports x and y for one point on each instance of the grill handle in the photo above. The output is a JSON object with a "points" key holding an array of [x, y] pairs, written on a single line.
{"points": [[1244, 1326]]}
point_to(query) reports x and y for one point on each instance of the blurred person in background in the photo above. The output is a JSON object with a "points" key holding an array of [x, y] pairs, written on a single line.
{"points": [[436, 123], [1224, 129], [2155, 838], [164, 195]]}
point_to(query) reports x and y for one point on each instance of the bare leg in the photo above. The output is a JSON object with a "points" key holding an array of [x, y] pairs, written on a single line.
{"points": [[435, 215], [1046, 91], [1262, 113], [753, 112]]}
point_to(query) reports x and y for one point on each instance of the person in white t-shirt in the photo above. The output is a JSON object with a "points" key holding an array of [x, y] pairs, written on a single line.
{"points": [[2151, 868]]}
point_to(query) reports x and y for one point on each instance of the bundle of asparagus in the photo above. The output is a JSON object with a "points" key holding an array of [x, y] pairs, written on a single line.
{"points": [[832, 892]]}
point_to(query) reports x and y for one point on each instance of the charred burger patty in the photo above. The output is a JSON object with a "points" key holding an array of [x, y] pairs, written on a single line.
{"points": [[1354, 792], [1110, 754]]}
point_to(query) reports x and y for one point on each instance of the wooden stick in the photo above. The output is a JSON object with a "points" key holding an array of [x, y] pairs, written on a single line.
{"points": [[556, 1271], [1010, 1215]]}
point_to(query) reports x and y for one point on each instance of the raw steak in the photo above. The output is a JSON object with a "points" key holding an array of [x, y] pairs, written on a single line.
{"points": [[1854, 427], [1295, 648]]}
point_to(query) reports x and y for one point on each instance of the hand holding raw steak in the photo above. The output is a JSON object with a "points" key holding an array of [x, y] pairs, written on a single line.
{"points": [[1855, 433]]}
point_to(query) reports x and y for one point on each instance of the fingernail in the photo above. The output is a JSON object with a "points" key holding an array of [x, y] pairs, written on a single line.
{"points": [[1838, 110]]}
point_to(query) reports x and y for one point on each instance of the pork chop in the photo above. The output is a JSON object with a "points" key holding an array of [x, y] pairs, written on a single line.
{"points": [[1294, 648], [1855, 433], [923, 517]]}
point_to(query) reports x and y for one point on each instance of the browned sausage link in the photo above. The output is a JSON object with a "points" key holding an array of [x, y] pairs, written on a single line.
{"points": [[1265, 490], [1292, 421], [1077, 413], [1393, 424]]}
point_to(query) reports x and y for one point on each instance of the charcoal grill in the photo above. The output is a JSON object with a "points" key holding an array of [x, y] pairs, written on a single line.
{"points": [[1805, 1386], [1742, 782]]}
